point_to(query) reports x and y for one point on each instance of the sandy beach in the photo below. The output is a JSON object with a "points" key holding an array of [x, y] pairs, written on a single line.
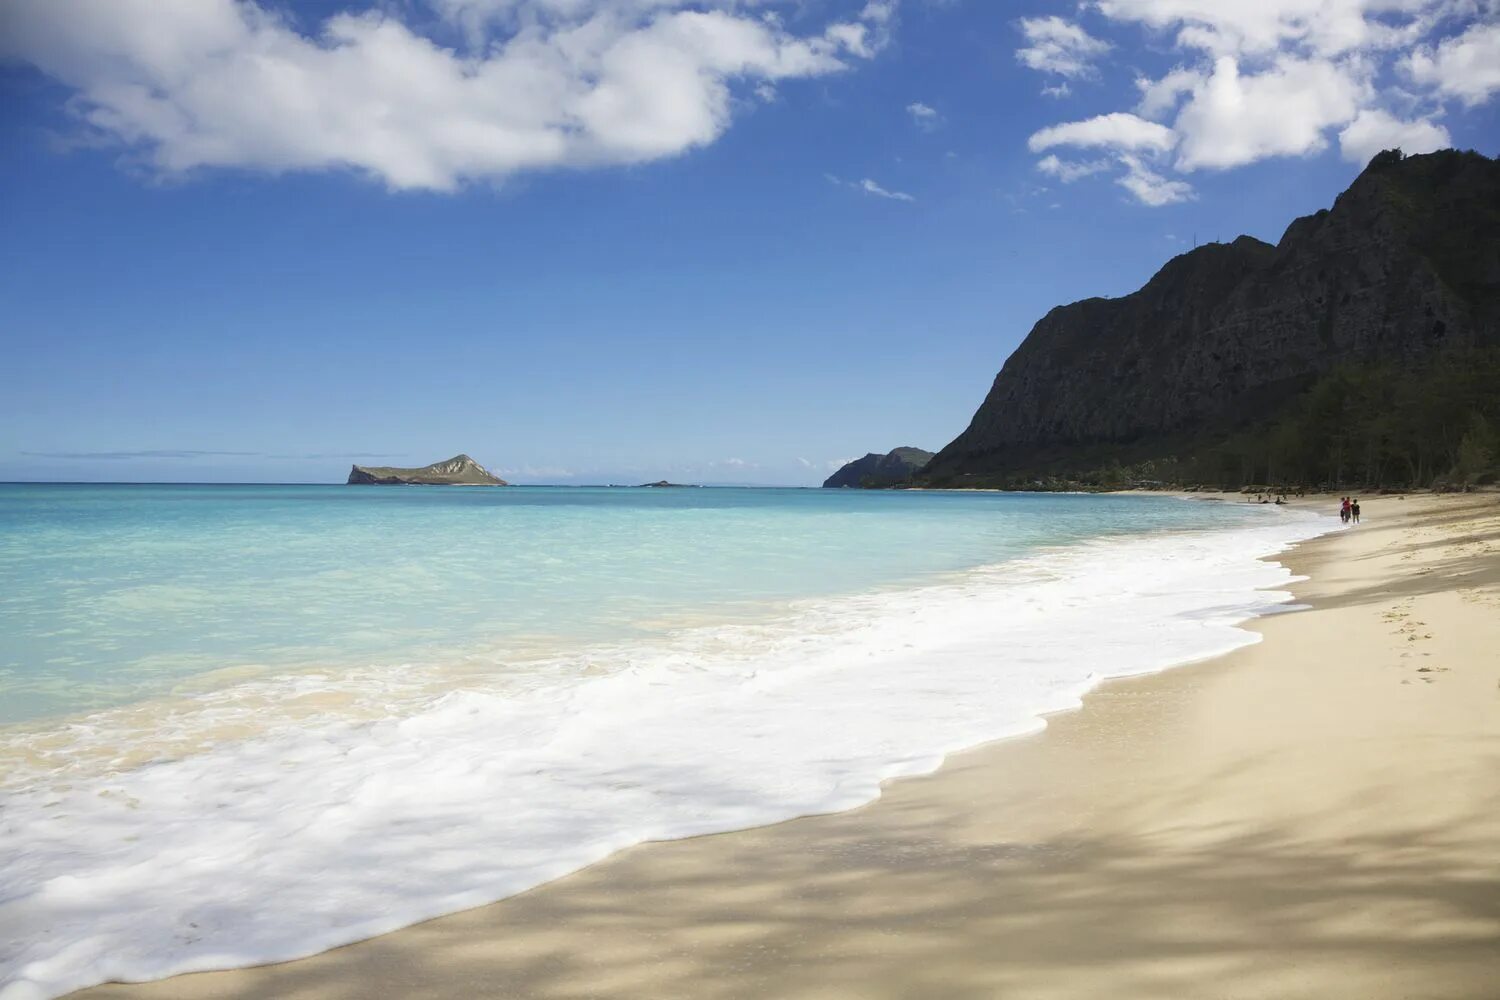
{"points": [[1314, 816]]}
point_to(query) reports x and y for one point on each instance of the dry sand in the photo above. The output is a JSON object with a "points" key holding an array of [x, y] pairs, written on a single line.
{"points": [[1317, 816]]}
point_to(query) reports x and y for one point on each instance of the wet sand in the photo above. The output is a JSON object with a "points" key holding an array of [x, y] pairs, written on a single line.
{"points": [[1316, 816]]}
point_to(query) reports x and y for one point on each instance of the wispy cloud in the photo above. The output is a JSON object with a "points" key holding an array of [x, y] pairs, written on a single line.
{"points": [[1069, 171], [541, 472], [318, 456], [870, 187], [179, 453], [188, 454]]}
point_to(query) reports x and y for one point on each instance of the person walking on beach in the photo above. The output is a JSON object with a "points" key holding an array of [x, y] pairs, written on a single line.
{"points": [[1344, 510], [1354, 510]]}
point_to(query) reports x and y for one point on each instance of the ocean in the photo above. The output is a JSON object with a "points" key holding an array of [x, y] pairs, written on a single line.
{"points": [[242, 724]]}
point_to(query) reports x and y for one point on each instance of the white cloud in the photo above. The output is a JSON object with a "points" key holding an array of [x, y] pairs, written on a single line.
{"points": [[1232, 119], [1263, 27], [1374, 130], [1069, 171], [923, 115], [1149, 187], [864, 37], [1276, 78], [870, 187], [1117, 130], [1158, 97], [1058, 46], [1058, 90], [1466, 67], [544, 84]]}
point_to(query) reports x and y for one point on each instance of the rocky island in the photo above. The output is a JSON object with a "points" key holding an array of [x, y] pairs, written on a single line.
{"points": [[460, 470], [877, 471]]}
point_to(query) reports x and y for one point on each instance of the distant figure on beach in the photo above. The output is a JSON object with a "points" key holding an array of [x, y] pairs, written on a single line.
{"points": [[1354, 511], [1344, 510]]}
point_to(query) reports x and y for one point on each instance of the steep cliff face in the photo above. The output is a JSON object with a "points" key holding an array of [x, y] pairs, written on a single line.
{"points": [[1404, 266], [460, 470], [875, 470]]}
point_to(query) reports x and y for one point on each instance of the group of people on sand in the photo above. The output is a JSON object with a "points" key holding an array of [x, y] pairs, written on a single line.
{"points": [[1349, 510]]}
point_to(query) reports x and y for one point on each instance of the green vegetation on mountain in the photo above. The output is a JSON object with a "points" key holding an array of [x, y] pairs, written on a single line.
{"points": [[1360, 350], [460, 470], [877, 471]]}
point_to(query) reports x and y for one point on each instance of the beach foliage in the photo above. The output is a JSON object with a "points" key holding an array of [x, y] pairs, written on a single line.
{"points": [[1371, 426]]}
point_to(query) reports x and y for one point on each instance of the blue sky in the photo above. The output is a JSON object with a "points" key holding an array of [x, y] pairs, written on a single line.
{"points": [[621, 240]]}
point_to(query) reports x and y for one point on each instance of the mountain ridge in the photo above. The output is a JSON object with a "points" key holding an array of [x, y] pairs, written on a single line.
{"points": [[877, 470], [1403, 267]]}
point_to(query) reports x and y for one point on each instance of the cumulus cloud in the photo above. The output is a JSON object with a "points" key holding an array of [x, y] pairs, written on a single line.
{"points": [[1374, 130], [1264, 27], [1466, 67], [1054, 45], [1117, 130], [536, 84], [1276, 78], [1159, 97], [1233, 119]]}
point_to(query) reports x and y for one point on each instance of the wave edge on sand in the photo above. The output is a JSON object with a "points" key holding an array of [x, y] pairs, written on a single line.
{"points": [[363, 828]]}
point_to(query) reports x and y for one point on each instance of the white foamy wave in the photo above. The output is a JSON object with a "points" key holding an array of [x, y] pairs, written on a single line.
{"points": [[306, 837]]}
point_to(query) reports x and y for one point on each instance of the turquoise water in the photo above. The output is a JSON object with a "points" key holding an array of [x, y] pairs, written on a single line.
{"points": [[228, 705], [115, 593]]}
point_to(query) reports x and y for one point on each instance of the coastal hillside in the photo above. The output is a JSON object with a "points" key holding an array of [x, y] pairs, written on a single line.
{"points": [[460, 470], [877, 471], [1298, 362]]}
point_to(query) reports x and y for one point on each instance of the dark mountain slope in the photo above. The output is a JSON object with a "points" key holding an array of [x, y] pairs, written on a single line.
{"points": [[875, 471], [1403, 269]]}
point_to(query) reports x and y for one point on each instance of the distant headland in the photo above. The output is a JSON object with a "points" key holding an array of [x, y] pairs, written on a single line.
{"points": [[875, 470], [460, 470]]}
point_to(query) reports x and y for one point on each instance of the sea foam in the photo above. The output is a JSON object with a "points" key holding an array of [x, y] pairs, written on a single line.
{"points": [[305, 837]]}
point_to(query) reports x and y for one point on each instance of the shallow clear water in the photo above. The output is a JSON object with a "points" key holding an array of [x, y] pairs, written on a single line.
{"points": [[115, 593], [230, 705]]}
